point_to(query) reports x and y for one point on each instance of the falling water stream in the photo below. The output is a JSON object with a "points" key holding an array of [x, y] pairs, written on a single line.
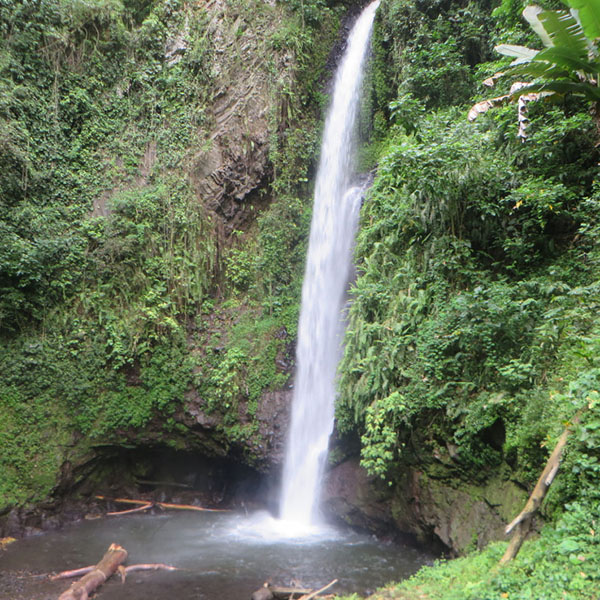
{"points": [[328, 265], [228, 555]]}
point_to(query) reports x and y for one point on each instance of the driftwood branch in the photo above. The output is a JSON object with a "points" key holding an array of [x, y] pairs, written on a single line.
{"points": [[72, 573], [521, 531], [110, 562], [165, 505], [282, 593], [313, 594], [270, 592], [522, 522], [123, 571]]}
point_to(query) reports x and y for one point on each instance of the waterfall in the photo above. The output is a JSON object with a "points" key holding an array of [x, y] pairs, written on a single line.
{"points": [[328, 267]]}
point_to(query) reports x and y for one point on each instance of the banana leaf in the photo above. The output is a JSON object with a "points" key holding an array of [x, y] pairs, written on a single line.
{"points": [[564, 57], [521, 53], [590, 92], [564, 31], [538, 69], [531, 15], [588, 12]]}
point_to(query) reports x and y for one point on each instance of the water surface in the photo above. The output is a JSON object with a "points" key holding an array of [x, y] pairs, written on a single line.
{"points": [[223, 556]]}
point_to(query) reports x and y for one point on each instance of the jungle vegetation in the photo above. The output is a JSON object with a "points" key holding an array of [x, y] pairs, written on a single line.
{"points": [[473, 329], [117, 293], [473, 335]]}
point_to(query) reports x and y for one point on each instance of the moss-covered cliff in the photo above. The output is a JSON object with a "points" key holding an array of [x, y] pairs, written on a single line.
{"points": [[154, 202]]}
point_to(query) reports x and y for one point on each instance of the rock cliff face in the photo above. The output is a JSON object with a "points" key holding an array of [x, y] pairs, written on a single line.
{"points": [[234, 163], [267, 446], [452, 514]]}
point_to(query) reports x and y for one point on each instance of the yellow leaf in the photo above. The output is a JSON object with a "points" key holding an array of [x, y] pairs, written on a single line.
{"points": [[5, 541]]}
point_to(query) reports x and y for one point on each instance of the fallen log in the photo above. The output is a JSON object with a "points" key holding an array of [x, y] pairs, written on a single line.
{"points": [[165, 505], [522, 522], [110, 562]]}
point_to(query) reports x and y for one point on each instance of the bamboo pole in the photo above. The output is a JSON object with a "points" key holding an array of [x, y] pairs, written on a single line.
{"points": [[522, 522], [166, 505]]}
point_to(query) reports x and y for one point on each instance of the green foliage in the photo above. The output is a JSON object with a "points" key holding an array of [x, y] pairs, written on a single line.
{"points": [[241, 363], [32, 439], [428, 51], [68, 129], [475, 255], [108, 253], [568, 64]]}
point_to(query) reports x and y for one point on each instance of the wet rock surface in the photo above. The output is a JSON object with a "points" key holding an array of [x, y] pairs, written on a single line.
{"points": [[451, 515], [32, 520], [273, 416], [351, 495]]}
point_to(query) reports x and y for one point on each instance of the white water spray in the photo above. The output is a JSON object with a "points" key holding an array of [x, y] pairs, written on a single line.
{"points": [[328, 267]]}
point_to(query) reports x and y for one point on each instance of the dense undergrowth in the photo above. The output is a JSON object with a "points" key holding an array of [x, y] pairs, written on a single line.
{"points": [[118, 294], [473, 336]]}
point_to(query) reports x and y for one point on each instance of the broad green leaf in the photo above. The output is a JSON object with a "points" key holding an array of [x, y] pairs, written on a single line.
{"points": [[568, 545], [564, 31], [531, 15], [537, 69], [564, 57], [521, 53], [589, 15], [590, 92]]}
